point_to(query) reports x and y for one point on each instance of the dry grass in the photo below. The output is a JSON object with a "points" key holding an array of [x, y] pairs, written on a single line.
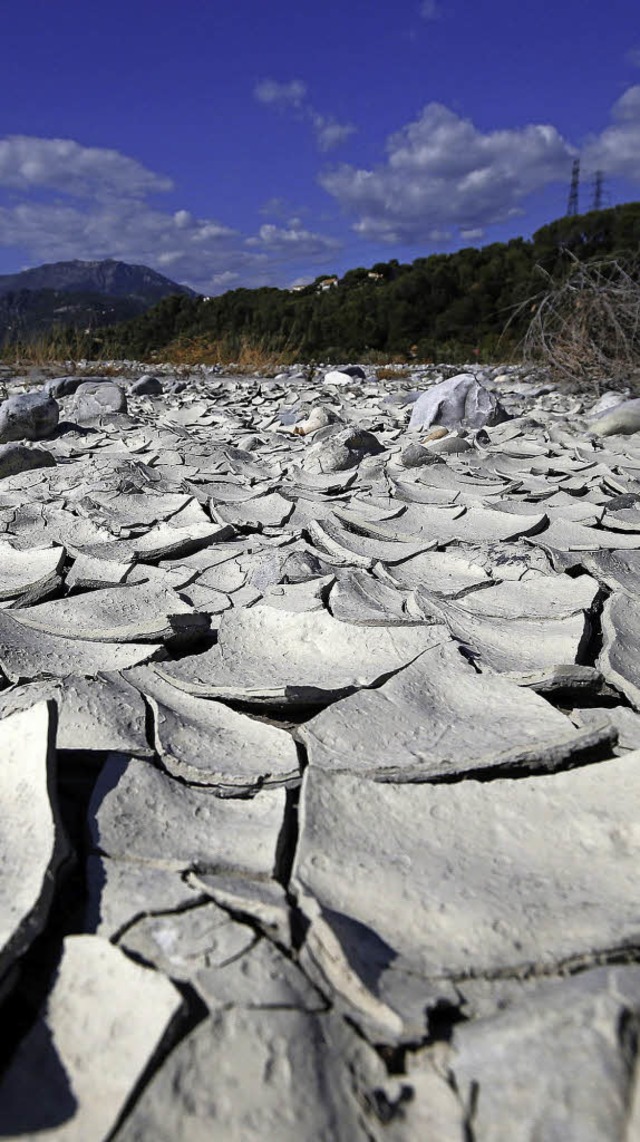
{"points": [[243, 356], [586, 328], [392, 373]]}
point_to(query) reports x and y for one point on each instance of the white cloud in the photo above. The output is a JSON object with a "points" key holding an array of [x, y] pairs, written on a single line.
{"points": [[441, 172], [429, 10], [292, 238], [329, 133], [292, 96], [63, 215], [633, 57], [616, 151], [27, 163]]}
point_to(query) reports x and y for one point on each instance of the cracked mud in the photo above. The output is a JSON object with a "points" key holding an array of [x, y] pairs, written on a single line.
{"points": [[320, 728]]}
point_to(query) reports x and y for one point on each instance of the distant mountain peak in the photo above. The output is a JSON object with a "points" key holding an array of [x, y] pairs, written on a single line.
{"points": [[108, 277]]}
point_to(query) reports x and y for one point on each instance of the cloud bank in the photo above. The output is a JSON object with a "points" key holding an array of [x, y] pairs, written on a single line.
{"points": [[441, 179], [444, 177]]}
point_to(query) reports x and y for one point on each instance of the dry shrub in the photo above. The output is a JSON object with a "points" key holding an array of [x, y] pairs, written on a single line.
{"points": [[392, 373], [243, 356], [587, 326]]}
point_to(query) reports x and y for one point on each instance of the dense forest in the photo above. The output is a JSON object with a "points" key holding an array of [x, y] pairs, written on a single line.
{"points": [[442, 306]]}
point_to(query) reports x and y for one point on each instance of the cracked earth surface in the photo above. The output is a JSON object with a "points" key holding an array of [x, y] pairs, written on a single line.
{"points": [[320, 737]]}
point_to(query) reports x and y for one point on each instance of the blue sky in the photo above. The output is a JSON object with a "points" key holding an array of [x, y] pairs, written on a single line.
{"points": [[244, 144]]}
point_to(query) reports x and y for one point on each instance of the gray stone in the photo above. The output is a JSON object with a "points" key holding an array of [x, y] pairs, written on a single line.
{"points": [[340, 449], [65, 386], [92, 399], [28, 416], [460, 401], [146, 385], [416, 456]]}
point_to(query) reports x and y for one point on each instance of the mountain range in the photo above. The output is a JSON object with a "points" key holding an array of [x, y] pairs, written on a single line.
{"points": [[85, 295]]}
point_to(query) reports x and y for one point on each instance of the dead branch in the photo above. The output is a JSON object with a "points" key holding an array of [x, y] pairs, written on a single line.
{"points": [[587, 326]]}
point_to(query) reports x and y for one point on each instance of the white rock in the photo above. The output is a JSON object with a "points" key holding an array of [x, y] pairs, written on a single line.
{"points": [[460, 401]]}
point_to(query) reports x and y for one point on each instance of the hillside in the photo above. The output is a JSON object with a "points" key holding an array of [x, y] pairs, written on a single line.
{"points": [[435, 307], [111, 278], [26, 314]]}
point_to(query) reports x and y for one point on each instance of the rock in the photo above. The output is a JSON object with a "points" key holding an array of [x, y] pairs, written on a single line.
{"points": [[607, 402], [146, 385], [340, 449], [65, 386], [32, 841], [460, 401], [16, 458], [622, 419], [101, 1025], [414, 456], [338, 377], [28, 416], [93, 399], [317, 417]]}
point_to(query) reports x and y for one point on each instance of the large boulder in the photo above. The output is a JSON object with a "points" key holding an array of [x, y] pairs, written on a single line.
{"points": [[93, 399], [459, 402], [28, 416]]}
